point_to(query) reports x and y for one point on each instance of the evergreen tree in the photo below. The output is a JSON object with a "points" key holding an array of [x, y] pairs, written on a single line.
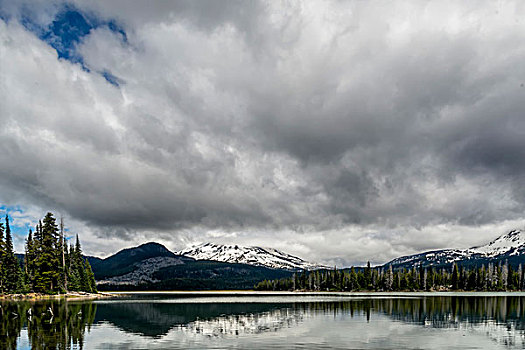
{"points": [[504, 276], [49, 267], [3, 272], [421, 275], [389, 278], [430, 280], [368, 277], [79, 265], [30, 258], [395, 282], [73, 277], [90, 277], [520, 277], [47, 262], [455, 277], [12, 267], [62, 256]]}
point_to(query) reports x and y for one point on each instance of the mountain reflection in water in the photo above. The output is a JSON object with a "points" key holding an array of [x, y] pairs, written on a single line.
{"points": [[63, 324]]}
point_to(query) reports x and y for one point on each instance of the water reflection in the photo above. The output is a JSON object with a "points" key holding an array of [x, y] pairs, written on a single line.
{"points": [[63, 325], [49, 324], [235, 325], [440, 312], [155, 319]]}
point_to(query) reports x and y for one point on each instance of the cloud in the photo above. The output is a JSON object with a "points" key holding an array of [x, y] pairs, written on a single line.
{"points": [[318, 122]]}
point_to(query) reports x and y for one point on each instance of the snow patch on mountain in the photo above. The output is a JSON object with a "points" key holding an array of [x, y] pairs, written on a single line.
{"points": [[257, 256], [513, 240], [512, 243]]}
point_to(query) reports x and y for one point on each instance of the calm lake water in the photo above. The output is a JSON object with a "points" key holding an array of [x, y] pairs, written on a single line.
{"points": [[281, 321]]}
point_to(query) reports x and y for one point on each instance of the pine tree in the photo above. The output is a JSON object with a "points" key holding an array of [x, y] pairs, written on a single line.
{"points": [[81, 277], [430, 280], [38, 231], [354, 284], [499, 271], [73, 277], [61, 256], [2, 261], [47, 262], [520, 277], [30, 258], [11, 265], [368, 277], [421, 275], [490, 276], [79, 262], [91, 286], [455, 277], [482, 279], [504, 275], [389, 278]]}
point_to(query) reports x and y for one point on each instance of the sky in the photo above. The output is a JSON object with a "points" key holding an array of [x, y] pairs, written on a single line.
{"points": [[338, 131]]}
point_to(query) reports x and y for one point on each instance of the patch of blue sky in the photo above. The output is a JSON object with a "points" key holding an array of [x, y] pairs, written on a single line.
{"points": [[67, 30], [110, 78], [4, 16], [19, 222]]}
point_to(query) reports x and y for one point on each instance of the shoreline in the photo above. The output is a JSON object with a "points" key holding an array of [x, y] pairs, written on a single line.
{"points": [[67, 296], [82, 296], [316, 293]]}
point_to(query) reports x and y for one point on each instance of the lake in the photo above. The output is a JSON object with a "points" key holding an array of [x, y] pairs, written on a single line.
{"points": [[251, 320]]}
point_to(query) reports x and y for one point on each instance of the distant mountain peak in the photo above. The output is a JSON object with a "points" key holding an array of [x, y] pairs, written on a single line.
{"points": [[150, 248], [153, 245], [504, 243], [510, 245], [258, 256]]}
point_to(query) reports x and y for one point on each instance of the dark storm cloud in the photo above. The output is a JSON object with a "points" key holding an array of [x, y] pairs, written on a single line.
{"points": [[322, 120]]}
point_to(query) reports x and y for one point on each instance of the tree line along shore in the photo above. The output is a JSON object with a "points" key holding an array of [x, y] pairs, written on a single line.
{"points": [[50, 266], [493, 277]]}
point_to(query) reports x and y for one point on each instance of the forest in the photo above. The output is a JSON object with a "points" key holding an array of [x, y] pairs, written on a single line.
{"points": [[500, 277], [49, 265]]}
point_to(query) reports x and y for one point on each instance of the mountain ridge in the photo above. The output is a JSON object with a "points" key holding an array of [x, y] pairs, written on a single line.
{"points": [[508, 246], [152, 266], [124, 260], [215, 266]]}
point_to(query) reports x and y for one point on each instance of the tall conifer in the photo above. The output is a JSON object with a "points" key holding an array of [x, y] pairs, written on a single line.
{"points": [[11, 265], [47, 279], [2, 261]]}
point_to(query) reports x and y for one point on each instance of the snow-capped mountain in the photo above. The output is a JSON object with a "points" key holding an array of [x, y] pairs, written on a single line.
{"points": [[510, 246], [512, 243], [248, 255], [153, 266]]}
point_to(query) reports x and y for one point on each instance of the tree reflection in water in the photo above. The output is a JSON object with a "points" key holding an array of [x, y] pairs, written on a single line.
{"points": [[63, 324], [49, 324]]}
